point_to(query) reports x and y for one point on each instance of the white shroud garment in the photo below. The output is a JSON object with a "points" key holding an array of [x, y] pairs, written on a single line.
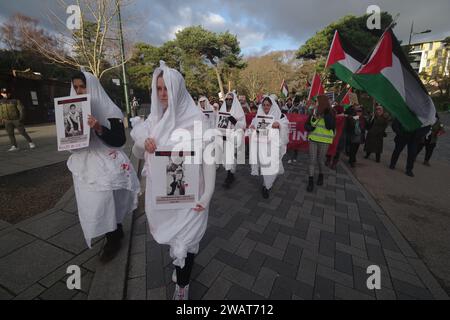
{"points": [[210, 114], [236, 112], [181, 229], [105, 182], [277, 115]]}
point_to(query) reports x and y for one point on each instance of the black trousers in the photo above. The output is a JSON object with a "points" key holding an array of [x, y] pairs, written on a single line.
{"points": [[184, 275], [429, 148], [353, 150], [10, 125], [400, 144]]}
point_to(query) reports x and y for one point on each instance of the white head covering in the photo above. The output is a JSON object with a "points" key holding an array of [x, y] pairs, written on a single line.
{"points": [[208, 106], [236, 109], [274, 109], [102, 107], [181, 112]]}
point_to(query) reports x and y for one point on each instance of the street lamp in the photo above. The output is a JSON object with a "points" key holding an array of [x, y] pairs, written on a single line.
{"points": [[412, 33], [122, 54]]}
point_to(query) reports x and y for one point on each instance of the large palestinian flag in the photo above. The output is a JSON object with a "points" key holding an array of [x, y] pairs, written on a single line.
{"points": [[344, 60], [389, 78]]}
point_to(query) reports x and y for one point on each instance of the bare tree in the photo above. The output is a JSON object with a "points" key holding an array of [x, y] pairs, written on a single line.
{"points": [[94, 47]]}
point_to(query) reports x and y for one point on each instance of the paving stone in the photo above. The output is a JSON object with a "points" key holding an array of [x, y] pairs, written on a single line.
{"points": [[136, 289], [196, 290], [293, 255], [264, 282], [304, 244], [218, 290], [324, 289], [230, 259], [335, 275], [281, 268], [246, 248], [138, 244], [350, 250], [31, 293], [13, 241], [357, 241], [254, 263], [327, 247], [210, 273], [71, 239], [386, 294], [237, 292], [376, 254], [157, 293], [270, 251], [307, 271], [5, 295], [50, 225], [343, 263], [137, 264], [318, 258], [238, 277], [4, 224], [411, 290], [206, 255], [58, 291], [15, 272], [281, 242], [360, 277], [403, 276], [347, 293]]}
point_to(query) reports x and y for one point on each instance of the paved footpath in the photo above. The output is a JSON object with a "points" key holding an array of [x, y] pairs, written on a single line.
{"points": [[46, 152], [35, 253], [294, 245]]}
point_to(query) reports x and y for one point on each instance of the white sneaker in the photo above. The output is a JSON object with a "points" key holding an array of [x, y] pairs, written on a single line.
{"points": [[289, 161], [295, 160], [174, 276], [181, 294], [32, 145], [13, 148]]}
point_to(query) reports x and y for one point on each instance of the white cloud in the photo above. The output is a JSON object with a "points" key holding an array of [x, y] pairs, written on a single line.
{"points": [[214, 19]]}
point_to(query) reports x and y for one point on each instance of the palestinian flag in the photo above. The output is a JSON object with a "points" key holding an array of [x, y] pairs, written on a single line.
{"points": [[346, 102], [284, 89], [316, 87], [308, 84], [389, 78], [344, 60]]}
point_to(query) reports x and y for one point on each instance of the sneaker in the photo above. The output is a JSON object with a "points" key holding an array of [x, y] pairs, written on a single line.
{"points": [[294, 161], [174, 276], [181, 294], [13, 148], [32, 145], [289, 161]]}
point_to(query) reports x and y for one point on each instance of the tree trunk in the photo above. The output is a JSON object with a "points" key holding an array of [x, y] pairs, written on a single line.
{"points": [[219, 79]]}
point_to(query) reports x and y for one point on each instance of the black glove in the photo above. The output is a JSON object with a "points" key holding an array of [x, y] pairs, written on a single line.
{"points": [[232, 120]]}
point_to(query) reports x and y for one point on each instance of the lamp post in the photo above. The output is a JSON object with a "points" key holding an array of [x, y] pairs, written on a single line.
{"points": [[412, 33], [122, 54]]}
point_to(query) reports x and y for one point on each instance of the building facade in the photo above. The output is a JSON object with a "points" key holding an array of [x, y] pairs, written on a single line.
{"points": [[431, 58]]}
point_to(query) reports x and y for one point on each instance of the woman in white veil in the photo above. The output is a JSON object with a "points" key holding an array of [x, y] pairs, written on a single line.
{"points": [[182, 229], [208, 111], [278, 142], [105, 182]]}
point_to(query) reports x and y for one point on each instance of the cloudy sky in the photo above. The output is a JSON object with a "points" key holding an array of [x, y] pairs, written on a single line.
{"points": [[261, 25]]}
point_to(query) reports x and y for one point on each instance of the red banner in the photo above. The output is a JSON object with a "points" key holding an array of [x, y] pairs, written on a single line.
{"points": [[298, 137]]}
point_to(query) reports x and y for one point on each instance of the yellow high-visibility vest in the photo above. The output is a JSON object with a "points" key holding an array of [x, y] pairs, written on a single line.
{"points": [[321, 133]]}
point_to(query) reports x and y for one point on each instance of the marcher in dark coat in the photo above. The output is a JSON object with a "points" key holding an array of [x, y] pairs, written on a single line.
{"points": [[377, 132], [404, 138], [430, 140], [355, 128]]}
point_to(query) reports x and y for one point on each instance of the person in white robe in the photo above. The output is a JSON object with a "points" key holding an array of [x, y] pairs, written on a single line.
{"points": [[272, 144], [234, 125], [208, 111], [182, 229], [105, 182]]}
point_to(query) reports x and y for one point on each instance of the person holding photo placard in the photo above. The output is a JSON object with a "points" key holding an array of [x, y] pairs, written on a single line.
{"points": [[269, 108], [174, 112], [231, 117], [106, 185]]}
